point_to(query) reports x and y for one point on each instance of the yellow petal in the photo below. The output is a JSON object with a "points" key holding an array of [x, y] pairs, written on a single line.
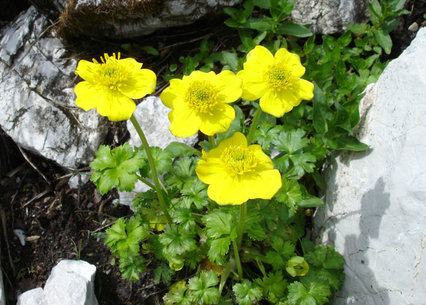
{"points": [[304, 89], [130, 64], [254, 86], [176, 91], [263, 160], [258, 58], [210, 171], [229, 191], [273, 103], [139, 83], [229, 86], [238, 139], [291, 62], [263, 185], [184, 122], [218, 120], [115, 106], [87, 95], [87, 70]]}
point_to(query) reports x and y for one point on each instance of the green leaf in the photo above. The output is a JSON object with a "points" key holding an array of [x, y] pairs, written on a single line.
{"points": [[290, 28], [290, 193], [178, 294], [291, 141], [162, 159], [253, 226], [357, 29], [247, 293], [230, 59], [150, 50], [163, 274], [177, 240], [178, 149], [219, 224], [116, 168], [273, 285], [319, 121], [221, 230], [124, 237], [258, 24], [132, 266], [347, 143], [197, 193], [311, 293], [202, 288], [266, 134], [384, 39], [311, 202]]}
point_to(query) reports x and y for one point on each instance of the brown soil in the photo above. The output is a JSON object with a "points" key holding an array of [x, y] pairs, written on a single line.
{"points": [[63, 223]]}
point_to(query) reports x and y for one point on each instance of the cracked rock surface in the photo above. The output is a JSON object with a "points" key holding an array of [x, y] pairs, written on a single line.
{"points": [[329, 16], [37, 93], [124, 19], [375, 202]]}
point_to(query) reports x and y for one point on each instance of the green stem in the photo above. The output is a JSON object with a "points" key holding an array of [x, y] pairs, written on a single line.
{"points": [[152, 167], [241, 223], [212, 142], [237, 259], [253, 125], [146, 182]]}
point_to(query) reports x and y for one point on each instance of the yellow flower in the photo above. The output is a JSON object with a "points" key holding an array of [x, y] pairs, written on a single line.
{"points": [[236, 172], [111, 86], [200, 102], [275, 80]]}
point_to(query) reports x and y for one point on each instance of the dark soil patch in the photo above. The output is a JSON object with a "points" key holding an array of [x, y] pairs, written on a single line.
{"points": [[60, 223]]}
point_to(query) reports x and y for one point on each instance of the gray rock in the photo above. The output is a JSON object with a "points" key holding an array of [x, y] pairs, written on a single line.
{"points": [[329, 16], [70, 283], [37, 93], [124, 19], [152, 116], [375, 202]]}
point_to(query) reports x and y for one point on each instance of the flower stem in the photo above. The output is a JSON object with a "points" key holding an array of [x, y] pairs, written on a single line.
{"points": [[253, 125], [236, 244], [237, 259], [212, 142], [241, 223], [152, 167], [146, 182]]}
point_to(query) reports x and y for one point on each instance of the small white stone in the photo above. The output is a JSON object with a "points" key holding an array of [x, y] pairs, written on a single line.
{"points": [[71, 282], [78, 180]]}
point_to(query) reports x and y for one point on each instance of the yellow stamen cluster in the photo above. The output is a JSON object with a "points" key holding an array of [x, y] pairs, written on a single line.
{"points": [[277, 77], [238, 160], [110, 73], [201, 96]]}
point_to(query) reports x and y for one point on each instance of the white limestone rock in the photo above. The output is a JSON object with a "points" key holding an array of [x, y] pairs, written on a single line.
{"points": [[329, 16], [31, 297], [375, 202], [152, 115], [36, 89], [71, 282]]}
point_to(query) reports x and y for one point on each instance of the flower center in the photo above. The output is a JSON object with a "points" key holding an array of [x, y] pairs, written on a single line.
{"points": [[110, 73], [201, 96], [278, 77], [238, 160]]}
